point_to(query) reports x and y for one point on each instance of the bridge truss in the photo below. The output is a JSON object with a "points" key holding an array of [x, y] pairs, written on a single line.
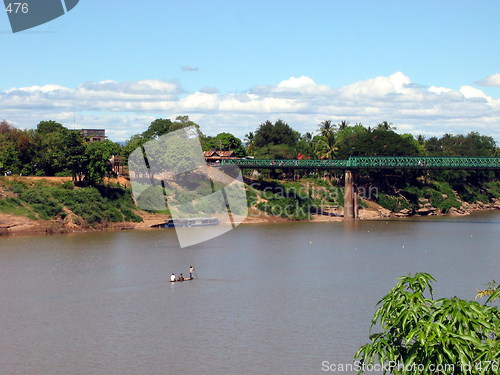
{"points": [[372, 162]]}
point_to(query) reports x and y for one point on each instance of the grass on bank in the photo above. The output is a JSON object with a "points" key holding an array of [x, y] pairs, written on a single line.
{"points": [[48, 201]]}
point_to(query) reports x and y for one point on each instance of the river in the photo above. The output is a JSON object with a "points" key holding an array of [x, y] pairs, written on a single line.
{"points": [[269, 299]]}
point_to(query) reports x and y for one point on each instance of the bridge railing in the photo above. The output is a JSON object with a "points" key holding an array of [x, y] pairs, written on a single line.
{"points": [[372, 162], [427, 162], [286, 163]]}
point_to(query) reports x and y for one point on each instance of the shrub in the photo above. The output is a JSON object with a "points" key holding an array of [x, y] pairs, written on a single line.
{"points": [[130, 216], [394, 204], [419, 332], [287, 207], [42, 203], [112, 215], [93, 204], [252, 196], [493, 189]]}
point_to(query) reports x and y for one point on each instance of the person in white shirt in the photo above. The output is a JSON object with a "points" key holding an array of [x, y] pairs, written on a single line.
{"points": [[191, 270], [172, 278]]}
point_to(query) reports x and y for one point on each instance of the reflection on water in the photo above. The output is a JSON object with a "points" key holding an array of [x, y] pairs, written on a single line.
{"points": [[269, 299]]}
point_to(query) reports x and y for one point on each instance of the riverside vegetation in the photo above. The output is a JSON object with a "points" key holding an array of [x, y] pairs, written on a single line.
{"points": [[88, 206], [53, 150], [422, 335]]}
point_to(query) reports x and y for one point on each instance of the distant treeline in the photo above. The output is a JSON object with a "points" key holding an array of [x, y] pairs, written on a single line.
{"points": [[52, 150]]}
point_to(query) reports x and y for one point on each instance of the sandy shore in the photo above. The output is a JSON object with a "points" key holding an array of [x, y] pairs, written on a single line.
{"points": [[19, 225]]}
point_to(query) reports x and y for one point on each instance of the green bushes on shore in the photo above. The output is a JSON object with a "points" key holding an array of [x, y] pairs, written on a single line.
{"points": [[94, 205], [438, 194], [394, 204]]}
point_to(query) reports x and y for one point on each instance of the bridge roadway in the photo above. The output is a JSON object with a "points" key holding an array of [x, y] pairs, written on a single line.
{"points": [[372, 162]]}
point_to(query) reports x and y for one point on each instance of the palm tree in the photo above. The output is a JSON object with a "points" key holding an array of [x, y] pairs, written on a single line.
{"points": [[343, 124], [323, 150], [384, 125], [326, 128], [250, 141]]}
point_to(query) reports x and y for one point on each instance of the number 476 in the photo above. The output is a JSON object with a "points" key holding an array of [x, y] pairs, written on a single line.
{"points": [[17, 7]]}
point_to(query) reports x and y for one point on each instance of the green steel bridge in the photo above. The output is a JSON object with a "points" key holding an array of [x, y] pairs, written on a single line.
{"points": [[351, 165], [372, 162]]}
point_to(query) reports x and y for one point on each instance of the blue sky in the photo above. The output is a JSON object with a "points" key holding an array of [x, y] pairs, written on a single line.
{"points": [[427, 66]]}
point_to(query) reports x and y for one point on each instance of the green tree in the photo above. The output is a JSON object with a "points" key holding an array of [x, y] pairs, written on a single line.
{"points": [[414, 142], [9, 153], [326, 128], [325, 144], [324, 147], [96, 164], [132, 144], [50, 154], [9, 157], [45, 127], [349, 133], [56, 150], [75, 153], [420, 333], [225, 142], [376, 143], [387, 126], [343, 125], [279, 133], [157, 128], [182, 122], [305, 145], [272, 151], [250, 141]]}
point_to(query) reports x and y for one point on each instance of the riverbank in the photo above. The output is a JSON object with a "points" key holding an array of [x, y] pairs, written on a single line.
{"points": [[51, 205], [12, 225]]}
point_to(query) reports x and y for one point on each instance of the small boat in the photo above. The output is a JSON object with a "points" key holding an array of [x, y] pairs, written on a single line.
{"points": [[188, 223], [179, 281]]}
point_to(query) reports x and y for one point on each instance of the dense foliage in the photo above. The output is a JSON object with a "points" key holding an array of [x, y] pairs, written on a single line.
{"points": [[93, 205], [53, 150], [421, 335]]}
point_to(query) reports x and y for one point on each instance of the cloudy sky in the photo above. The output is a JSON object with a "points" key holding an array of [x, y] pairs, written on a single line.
{"points": [[429, 67]]}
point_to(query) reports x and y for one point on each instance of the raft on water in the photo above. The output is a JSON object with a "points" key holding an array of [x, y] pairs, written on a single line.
{"points": [[179, 281], [192, 222]]}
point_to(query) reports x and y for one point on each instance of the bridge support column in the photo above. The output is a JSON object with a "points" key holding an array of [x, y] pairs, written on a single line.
{"points": [[350, 196]]}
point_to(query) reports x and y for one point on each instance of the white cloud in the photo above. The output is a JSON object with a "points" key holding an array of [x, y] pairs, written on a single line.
{"points": [[471, 92], [439, 90], [396, 83], [492, 80], [126, 108], [294, 83]]}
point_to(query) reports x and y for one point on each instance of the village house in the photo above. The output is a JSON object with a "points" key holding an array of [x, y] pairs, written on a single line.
{"points": [[215, 156]]}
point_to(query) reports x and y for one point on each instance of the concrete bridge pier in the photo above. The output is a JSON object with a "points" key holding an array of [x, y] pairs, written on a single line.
{"points": [[350, 196]]}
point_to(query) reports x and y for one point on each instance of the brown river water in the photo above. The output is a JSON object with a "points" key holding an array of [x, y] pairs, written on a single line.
{"points": [[268, 298]]}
